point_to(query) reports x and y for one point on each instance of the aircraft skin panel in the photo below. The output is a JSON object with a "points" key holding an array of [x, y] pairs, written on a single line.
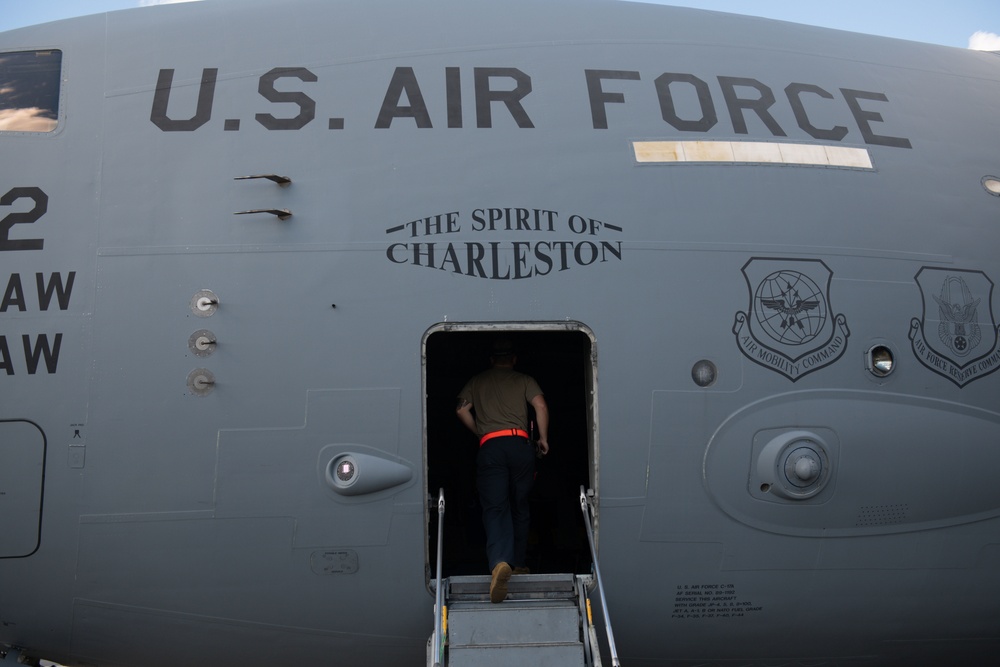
{"points": [[692, 194], [250, 641]]}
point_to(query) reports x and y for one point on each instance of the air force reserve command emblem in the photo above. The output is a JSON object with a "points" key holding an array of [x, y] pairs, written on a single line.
{"points": [[957, 336], [790, 328]]}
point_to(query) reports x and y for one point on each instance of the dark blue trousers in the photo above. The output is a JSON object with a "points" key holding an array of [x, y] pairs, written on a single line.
{"points": [[505, 470]]}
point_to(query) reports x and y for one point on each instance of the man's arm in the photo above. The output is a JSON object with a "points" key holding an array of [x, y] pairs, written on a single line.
{"points": [[464, 413], [542, 417]]}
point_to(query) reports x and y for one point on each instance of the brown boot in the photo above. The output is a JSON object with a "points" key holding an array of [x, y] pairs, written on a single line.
{"points": [[523, 569], [498, 585]]}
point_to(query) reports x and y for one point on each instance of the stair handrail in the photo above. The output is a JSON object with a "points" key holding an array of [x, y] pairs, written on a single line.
{"points": [[586, 621], [585, 506], [437, 649]]}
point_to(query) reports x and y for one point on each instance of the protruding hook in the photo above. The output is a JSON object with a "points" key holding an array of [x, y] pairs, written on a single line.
{"points": [[283, 181], [282, 213]]}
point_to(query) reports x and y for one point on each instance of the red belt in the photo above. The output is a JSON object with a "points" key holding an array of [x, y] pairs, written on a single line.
{"points": [[507, 432]]}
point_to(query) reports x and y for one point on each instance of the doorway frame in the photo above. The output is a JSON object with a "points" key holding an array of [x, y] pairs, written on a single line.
{"points": [[592, 411]]}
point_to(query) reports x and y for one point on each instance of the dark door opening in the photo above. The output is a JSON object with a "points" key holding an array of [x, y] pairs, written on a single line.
{"points": [[562, 358]]}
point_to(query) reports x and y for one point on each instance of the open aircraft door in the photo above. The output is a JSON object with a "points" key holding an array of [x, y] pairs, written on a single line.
{"points": [[562, 357]]}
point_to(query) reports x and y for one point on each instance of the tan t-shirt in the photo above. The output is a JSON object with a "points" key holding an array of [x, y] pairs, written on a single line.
{"points": [[500, 397]]}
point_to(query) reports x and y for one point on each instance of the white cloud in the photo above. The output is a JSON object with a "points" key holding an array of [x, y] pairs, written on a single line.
{"points": [[984, 41], [26, 120]]}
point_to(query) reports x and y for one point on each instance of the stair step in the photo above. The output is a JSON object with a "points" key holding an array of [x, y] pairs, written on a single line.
{"points": [[521, 586], [513, 622], [548, 655]]}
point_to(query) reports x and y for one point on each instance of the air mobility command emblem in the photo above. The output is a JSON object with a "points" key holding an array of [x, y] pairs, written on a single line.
{"points": [[956, 336], [789, 327]]}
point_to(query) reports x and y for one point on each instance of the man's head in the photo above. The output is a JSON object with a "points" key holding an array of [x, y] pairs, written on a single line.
{"points": [[503, 353]]}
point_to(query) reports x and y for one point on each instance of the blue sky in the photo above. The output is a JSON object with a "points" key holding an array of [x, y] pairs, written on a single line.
{"points": [[948, 22]]}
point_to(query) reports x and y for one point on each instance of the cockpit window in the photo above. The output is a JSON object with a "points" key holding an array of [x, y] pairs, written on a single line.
{"points": [[29, 91]]}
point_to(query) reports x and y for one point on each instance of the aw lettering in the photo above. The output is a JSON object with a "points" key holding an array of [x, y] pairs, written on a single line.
{"points": [[36, 351], [21, 295]]}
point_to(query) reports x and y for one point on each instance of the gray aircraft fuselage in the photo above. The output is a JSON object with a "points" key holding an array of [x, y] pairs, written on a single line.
{"points": [[750, 263]]}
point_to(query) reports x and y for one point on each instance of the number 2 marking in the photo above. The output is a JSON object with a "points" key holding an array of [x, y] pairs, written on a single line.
{"points": [[41, 206]]}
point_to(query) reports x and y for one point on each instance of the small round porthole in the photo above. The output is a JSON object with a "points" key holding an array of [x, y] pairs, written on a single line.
{"points": [[880, 361], [704, 373]]}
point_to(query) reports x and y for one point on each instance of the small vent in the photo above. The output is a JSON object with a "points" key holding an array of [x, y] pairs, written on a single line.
{"points": [[882, 515]]}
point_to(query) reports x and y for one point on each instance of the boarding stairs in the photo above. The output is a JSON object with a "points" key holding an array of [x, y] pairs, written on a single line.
{"points": [[546, 620]]}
